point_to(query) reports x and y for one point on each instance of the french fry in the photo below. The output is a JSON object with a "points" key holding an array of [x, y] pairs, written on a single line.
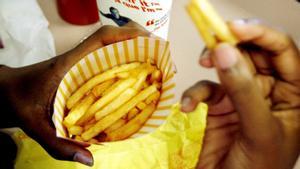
{"points": [[116, 103], [115, 126], [78, 138], [141, 79], [106, 99], [78, 111], [199, 21], [210, 25], [110, 74], [153, 97], [113, 86], [123, 75], [141, 105], [145, 85], [132, 113], [132, 126], [108, 120], [75, 130], [215, 22], [98, 90], [158, 85], [156, 76]]}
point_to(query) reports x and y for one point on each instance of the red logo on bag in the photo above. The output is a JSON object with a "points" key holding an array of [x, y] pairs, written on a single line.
{"points": [[150, 22]]}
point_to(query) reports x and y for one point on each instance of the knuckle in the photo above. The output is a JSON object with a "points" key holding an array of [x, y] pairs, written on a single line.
{"points": [[199, 88], [106, 28]]}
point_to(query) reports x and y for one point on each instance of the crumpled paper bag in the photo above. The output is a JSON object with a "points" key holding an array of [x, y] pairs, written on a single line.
{"points": [[24, 33], [174, 145]]}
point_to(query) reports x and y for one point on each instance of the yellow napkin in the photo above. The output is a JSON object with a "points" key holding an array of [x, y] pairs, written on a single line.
{"points": [[174, 145]]}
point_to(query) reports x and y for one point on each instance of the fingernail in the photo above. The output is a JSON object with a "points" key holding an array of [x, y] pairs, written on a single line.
{"points": [[239, 22], [249, 21], [205, 54], [81, 158], [186, 104], [226, 56]]}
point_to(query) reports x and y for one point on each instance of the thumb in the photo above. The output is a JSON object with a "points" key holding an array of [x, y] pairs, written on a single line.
{"points": [[239, 84], [62, 149]]}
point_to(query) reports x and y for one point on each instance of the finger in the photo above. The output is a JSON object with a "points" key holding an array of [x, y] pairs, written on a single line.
{"points": [[122, 33], [58, 148], [264, 37], [221, 107], [239, 84], [66, 150], [205, 59], [210, 93], [206, 62], [214, 122], [285, 56], [200, 92]]}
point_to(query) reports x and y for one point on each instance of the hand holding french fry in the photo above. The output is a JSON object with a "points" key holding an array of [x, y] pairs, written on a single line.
{"points": [[253, 112]]}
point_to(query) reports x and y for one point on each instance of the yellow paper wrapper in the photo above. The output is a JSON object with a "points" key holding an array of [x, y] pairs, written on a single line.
{"points": [[174, 145]]}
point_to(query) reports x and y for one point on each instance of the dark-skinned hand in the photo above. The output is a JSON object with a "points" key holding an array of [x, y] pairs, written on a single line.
{"points": [[254, 113], [27, 93]]}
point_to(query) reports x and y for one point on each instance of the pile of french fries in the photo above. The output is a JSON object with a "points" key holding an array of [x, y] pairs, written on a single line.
{"points": [[210, 25], [115, 104]]}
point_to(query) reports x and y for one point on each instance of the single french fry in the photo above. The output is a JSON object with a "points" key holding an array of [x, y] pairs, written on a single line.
{"points": [[75, 130], [98, 90], [144, 66], [158, 85], [126, 83], [78, 111], [116, 103], [132, 126], [145, 85], [78, 138], [115, 126], [150, 68], [141, 79], [132, 113], [204, 31], [215, 21], [156, 76], [141, 105], [110, 74], [154, 96], [113, 86], [123, 75], [108, 120]]}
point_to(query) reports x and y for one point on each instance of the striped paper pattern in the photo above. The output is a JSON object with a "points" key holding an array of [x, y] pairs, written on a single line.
{"points": [[140, 49]]}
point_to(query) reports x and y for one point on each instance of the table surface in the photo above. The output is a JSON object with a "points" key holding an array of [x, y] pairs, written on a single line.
{"points": [[186, 45]]}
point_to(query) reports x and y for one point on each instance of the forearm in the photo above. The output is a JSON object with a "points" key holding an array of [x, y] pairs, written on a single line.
{"points": [[7, 118]]}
